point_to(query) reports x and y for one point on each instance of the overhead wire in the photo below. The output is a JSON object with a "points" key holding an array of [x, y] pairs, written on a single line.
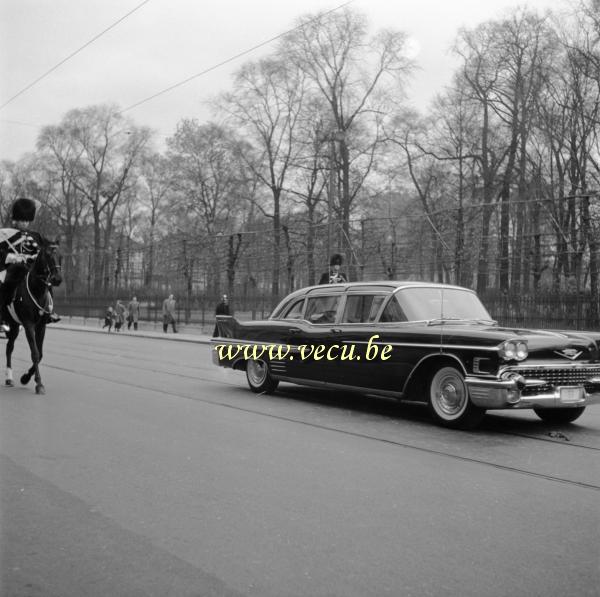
{"points": [[180, 83], [91, 41], [232, 58]]}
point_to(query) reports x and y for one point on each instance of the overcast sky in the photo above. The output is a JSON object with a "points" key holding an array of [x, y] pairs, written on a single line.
{"points": [[167, 41]]}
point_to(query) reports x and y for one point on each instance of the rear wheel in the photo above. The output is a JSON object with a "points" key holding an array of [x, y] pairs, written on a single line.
{"points": [[449, 402], [259, 378], [559, 415]]}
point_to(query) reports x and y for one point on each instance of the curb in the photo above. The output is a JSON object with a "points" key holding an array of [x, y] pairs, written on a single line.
{"points": [[178, 337]]}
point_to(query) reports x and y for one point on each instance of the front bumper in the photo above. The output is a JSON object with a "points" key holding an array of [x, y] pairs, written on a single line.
{"points": [[497, 394]]}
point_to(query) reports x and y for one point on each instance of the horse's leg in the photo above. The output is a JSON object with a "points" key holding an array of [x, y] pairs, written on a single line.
{"points": [[40, 333], [35, 359], [11, 336]]}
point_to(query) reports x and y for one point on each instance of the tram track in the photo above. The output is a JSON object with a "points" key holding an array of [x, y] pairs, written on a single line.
{"points": [[161, 368], [326, 427]]}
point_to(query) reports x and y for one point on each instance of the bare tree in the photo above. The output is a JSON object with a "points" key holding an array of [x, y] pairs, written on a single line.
{"points": [[266, 104], [359, 79], [309, 180], [206, 173], [154, 188], [101, 150]]}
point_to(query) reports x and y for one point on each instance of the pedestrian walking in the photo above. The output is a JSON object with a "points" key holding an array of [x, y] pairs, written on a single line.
{"points": [[108, 318], [134, 313], [222, 309], [168, 311], [119, 315]]}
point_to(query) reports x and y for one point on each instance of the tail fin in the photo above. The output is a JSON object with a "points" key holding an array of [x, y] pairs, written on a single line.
{"points": [[226, 325]]}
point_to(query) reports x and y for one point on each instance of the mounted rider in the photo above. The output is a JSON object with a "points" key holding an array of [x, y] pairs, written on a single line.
{"points": [[18, 247]]}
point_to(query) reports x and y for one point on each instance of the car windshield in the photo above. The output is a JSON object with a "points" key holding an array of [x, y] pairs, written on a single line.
{"points": [[425, 304]]}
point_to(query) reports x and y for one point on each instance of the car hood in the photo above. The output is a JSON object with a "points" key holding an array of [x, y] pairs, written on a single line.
{"points": [[570, 345]]}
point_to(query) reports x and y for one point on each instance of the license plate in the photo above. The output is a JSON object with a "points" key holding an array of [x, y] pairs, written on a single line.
{"points": [[568, 395]]}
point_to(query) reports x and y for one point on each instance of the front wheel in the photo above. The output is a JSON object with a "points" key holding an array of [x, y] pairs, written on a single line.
{"points": [[259, 378], [449, 402], [559, 415]]}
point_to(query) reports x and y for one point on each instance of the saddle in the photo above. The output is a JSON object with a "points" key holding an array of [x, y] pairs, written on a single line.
{"points": [[47, 305]]}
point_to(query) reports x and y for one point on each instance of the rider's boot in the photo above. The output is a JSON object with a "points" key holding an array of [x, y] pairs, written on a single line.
{"points": [[52, 317], [3, 326]]}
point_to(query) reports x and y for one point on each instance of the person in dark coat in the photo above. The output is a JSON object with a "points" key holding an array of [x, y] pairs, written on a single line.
{"points": [[222, 309], [119, 315], [18, 247], [109, 318], [134, 313], [334, 275], [169, 313]]}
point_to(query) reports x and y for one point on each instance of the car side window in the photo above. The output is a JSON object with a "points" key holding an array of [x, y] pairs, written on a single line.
{"points": [[295, 310], [362, 308], [322, 309], [393, 312]]}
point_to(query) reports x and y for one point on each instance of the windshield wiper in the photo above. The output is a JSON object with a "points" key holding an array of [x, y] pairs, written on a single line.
{"points": [[443, 320], [484, 321]]}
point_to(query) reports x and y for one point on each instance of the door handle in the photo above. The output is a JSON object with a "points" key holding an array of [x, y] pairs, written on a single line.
{"points": [[336, 330], [294, 331]]}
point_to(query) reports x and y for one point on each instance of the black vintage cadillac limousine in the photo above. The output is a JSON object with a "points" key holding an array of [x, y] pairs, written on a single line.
{"points": [[419, 341]]}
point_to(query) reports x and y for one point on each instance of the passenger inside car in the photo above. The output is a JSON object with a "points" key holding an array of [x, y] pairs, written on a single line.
{"points": [[322, 309]]}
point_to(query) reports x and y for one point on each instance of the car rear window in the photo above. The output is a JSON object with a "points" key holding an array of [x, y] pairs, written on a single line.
{"points": [[295, 310], [362, 308]]}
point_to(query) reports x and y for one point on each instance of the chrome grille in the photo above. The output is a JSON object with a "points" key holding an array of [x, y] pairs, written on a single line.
{"points": [[558, 376]]}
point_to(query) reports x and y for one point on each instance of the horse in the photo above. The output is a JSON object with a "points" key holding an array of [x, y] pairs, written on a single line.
{"points": [[30, 308]]}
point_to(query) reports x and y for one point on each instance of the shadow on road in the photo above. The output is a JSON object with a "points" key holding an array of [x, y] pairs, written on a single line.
{"points": [[513, 422]]}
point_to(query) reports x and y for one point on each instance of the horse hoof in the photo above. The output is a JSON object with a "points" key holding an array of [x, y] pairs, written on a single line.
{"points": [[40, 389], [25, 379], [9, 382]]}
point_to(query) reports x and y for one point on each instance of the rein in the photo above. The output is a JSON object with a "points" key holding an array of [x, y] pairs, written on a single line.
{"points": [[47, 283], [41, 309]]}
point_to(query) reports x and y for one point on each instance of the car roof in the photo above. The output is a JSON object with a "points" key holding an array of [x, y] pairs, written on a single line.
{"points": [[374, 286]]}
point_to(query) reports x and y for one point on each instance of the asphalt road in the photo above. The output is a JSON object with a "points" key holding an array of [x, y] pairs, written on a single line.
{"points": [[147, 471]]}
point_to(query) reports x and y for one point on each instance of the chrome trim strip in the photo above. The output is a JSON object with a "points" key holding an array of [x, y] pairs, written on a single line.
{"points": [[436, 345], [543, 367], [294, 347], [223, 341], [235, 342]]}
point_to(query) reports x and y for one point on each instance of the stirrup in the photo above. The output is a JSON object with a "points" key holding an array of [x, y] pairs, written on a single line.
{"points": [[52, 318]]}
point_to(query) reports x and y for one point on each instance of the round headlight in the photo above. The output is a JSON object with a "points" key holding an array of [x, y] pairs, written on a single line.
{"points": [[514, 350], [522, 351], [510, 350]]}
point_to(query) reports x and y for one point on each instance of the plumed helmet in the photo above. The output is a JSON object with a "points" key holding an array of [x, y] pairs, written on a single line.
{"points": [[336, 259], [23, 209]]}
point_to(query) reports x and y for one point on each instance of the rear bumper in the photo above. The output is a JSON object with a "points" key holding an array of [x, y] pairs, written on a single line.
{"points": [[497, 394]]}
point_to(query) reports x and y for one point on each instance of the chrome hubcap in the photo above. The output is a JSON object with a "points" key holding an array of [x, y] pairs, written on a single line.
{"points": [[257, 372], [449, 394]]}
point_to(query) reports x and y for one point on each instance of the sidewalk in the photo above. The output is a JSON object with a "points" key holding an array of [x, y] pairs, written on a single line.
{"points": [[146, 329]]}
